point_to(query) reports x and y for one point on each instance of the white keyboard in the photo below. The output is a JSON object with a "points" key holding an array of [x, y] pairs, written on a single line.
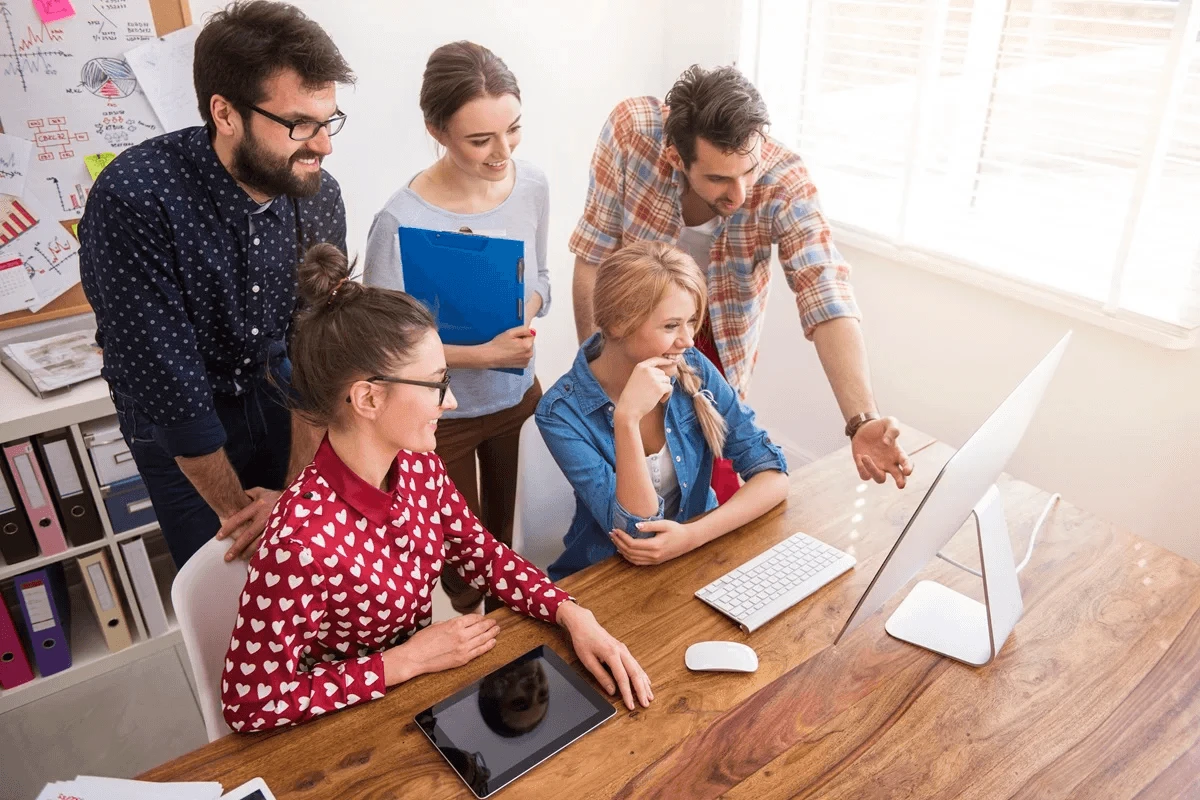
{"points": [[772, 582]]}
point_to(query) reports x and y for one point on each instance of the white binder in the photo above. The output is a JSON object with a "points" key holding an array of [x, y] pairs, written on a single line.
{"points": [[144, 583]]}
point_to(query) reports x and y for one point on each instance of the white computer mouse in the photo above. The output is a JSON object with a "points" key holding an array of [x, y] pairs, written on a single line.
{"points": [[720, 657]]}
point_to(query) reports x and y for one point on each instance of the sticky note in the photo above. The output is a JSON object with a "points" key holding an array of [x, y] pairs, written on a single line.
{"points": [[97, 162], [54, 10]]}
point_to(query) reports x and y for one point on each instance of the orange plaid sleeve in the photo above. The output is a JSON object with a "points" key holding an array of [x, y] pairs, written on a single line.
{"points": [[598, 233], [815, 270]]}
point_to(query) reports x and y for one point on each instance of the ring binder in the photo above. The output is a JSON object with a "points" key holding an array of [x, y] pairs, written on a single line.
{"points": [[65, 476], [31, 485]]}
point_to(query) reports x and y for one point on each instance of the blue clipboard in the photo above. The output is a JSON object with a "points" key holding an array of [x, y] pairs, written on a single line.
{"points": [[473, 285]]}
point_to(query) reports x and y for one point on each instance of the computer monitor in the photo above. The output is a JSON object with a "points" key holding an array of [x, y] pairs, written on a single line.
{"points": [[934, 616]]}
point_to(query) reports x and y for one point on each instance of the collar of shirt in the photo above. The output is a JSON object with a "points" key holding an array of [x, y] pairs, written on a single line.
{"points": [[370, 501], [588, 392], [233, 204]]}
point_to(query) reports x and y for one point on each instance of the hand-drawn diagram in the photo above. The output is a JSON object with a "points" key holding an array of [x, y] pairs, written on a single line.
{"points": [[109, 78], [54, 252], [67, 87], [120, 129], [51, 259], [10, 166], [52, 262], [52, 138], [72, 202], [104, 29], [15, 219], [32, 53]]}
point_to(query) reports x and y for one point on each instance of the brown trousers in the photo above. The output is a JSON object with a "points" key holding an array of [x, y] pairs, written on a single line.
{"points": [[491, 491]]}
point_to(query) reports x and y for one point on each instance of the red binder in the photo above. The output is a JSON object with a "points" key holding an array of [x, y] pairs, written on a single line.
{"points": [[14, 664]]}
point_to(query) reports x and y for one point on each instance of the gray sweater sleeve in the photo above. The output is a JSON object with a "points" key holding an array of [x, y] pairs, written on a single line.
{"points": [[543, 236], [382, 266]]}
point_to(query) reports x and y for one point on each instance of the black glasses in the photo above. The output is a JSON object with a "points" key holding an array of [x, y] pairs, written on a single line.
{"points": [[303, 130], [442, 386]]}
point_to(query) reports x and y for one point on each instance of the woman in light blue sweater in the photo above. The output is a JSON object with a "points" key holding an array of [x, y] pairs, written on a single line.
{"points": [[472, 108]]}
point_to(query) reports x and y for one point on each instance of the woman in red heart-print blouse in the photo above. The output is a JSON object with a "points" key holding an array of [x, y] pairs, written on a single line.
{"points": [[338, 600]]}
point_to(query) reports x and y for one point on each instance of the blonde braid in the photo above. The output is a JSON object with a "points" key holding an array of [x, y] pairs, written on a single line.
{"points": [[712, 424]]}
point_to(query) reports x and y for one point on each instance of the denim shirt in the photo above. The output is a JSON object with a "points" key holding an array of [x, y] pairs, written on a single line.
{"points": [[575, 418]]}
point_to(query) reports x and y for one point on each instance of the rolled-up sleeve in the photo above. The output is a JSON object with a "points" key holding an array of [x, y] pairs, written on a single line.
{"points": [[815, 270], [598, 233], [589, 473], [128, 267]]}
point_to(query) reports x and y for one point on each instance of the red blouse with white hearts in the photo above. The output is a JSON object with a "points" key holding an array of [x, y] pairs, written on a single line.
{"points": [[345, 571]]}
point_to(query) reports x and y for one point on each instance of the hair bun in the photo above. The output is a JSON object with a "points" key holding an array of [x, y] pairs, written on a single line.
{"points": [[322, 273]]}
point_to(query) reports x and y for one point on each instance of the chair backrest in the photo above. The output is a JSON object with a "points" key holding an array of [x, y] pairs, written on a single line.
{"points": [[205, 595], [545, 500]]}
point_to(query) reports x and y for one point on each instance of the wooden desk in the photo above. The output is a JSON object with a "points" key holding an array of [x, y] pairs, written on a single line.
{"points": [[1095, 695]]}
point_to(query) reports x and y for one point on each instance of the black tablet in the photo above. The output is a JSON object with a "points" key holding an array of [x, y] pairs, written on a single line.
{"points": [[500, 727]]}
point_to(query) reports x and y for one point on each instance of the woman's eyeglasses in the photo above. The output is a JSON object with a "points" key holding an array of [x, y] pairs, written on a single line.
{"points": [[442, 386]]}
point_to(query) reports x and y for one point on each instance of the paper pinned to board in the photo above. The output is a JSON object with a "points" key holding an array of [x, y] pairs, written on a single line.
{"points": [[14, 163], [53, 10], [50, 253], [16, 218], [65, 86], [163, 68], [16, 290], [96, 163]]}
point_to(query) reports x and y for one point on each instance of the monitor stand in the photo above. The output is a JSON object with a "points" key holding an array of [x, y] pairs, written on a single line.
{"points": [[940, 619]]}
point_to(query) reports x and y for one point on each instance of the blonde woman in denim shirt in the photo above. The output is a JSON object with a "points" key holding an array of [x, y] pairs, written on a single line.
{"points": [[636, 422]]}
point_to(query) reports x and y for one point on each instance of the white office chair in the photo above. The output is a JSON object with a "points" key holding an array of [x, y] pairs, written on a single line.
{"points": [[545, 500], [205, 594]]}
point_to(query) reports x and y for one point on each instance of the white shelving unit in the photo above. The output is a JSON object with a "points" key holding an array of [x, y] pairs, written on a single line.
{"points": [[26, 415]]}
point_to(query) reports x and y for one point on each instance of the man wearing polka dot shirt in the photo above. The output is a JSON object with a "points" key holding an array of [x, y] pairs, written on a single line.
{"points": [[189, 246]]}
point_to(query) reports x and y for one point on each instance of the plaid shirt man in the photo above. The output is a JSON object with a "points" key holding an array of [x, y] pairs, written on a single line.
{"points": [[635, 194]]}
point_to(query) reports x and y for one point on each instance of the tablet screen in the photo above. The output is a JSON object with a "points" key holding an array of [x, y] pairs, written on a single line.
{"points": [[511, 720]]}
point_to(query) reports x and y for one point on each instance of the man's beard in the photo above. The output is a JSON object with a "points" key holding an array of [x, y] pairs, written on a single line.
{"points": [[721, 212], [713, 207], [265, 172]]}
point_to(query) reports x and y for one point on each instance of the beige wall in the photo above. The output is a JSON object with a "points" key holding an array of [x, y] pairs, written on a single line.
{"points": [[574, 62]]}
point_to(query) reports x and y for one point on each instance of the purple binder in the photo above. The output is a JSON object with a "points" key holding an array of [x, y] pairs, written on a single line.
{"points": [[46, 609]]}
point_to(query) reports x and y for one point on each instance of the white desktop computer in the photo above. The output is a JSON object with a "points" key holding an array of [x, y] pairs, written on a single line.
{"points": [[934, 616]]}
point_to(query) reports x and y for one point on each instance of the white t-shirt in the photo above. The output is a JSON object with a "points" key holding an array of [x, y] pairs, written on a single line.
{"points": [[697, 242], [665, 479]]}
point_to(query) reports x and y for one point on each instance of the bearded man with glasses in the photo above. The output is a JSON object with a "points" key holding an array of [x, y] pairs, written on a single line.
{"points": [[189, 248]]}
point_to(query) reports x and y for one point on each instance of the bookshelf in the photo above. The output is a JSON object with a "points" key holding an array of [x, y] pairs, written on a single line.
{"points": [[26, 415]]}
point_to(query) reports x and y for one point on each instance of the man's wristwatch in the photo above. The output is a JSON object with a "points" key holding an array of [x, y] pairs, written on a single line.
{"points": [[858, 420]]}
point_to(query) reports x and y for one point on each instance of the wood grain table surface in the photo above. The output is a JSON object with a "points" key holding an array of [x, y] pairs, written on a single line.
{"points": [[1095, 695]]}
